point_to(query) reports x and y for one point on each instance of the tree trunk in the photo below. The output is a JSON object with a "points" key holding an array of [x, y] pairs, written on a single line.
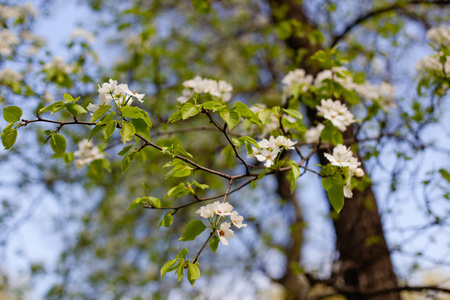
{"points": [[365, 262]]}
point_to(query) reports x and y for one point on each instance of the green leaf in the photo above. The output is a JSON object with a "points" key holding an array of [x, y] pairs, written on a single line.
{"points": [[445, 174], [127, 132], [12, 114], [331, 134], [264, 115], [176, 116], [69, 99], [141, 127], [201, 6], [94, 131], [58, 144], [184, 152], [137, 203], [178, 191], [212, 105], [106, 119], [294, 113], [192, 230], [167, 266], [125, 150], [335, 191], [180, 271], [126, 162], [201, 186], [68, 157], [54, 107], [9, 136], [189, 110], [75, 109], [99, 112], [193, 273], [231, 117], [214, 243], [182, 254], [109, 129], [131, 112], [295, 171], [246, 112], [167, 220]]}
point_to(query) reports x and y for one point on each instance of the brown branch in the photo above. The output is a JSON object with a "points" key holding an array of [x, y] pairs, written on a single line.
{"points": [[224, 131], [365, 17]]}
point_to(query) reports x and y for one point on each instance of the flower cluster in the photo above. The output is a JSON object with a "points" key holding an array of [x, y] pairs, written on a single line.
{"points": [[219, 210], [312, 135], [59, 64], [295, 79], [119, 93], [83, 34], [8, 76], [383, 94], [271, 148], [86, 153], [220, 89], [343, 157], [432, 65], [440, 36], [14, 12], [336, 112], [8, 39]]}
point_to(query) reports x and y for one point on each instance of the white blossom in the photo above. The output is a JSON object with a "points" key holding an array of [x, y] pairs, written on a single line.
{"points": [[440, 36], [58, 63], [271, 148], [199, 85], [336, 112], [86, 153], [225, 233], [237, 220], [343, 157], [186, 95], [83, 34], [294, 79], [8, 40], [337, 74], [8, 75], [431, 65], [222, 209], [206, 211], [112, 91], [312, 135]]}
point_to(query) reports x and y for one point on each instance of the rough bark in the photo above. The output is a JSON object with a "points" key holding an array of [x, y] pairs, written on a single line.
{"points": [[365, 262]]}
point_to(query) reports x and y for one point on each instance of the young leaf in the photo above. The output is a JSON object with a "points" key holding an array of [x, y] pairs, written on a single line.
{"points": [[94, 131], [75, 109], [182, 254], [58, 144], [141, 127], [184, 152], [201, 186], [137, 203], [9, 136], [193, 273], [131, 112], [12, 114], [126, 162], [189, 110], [127, 132], [124, 150], [167, 220], [99, 112], [167, 266], [335, 192], [192, 230], [246, 112], [109, 129], [214, 243], [293, 113], [231, 117], [69, 99]]}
